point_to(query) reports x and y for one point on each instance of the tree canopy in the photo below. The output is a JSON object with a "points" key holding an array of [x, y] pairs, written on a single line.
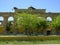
{"points": [[56, 23], [30, 21]]}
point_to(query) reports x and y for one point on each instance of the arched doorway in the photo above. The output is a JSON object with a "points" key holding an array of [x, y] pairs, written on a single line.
{"points": [[10, 23]]}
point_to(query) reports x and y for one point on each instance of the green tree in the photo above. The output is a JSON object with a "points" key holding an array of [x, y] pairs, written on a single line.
{"points": [[56, 23], [8, 26], [42, 23], [30, 21]]}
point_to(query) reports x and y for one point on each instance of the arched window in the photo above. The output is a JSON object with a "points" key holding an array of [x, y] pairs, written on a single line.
{"points": [[0, 23], [49, 19], [11, 18], [1, 18]]}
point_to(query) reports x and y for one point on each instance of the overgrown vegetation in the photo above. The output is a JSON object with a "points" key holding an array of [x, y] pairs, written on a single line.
{"points": [[56, 22], [33, 24], [8, 25], [30, 21]]}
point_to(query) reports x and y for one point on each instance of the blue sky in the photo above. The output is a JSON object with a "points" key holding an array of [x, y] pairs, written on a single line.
{"points": [[49, 5]]}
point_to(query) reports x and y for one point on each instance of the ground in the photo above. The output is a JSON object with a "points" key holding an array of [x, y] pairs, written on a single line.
{"points": [[29, 44], [34, 42]]}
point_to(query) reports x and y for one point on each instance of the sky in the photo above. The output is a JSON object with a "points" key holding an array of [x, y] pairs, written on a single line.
{"points": [[49, 5]]}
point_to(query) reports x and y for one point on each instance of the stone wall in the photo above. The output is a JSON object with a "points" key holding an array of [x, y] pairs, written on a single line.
{"points": [[32, 10]]}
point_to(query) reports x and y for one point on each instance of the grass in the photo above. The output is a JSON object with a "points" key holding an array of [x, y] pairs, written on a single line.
{"points": [[18, 39], [30, 42]]}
